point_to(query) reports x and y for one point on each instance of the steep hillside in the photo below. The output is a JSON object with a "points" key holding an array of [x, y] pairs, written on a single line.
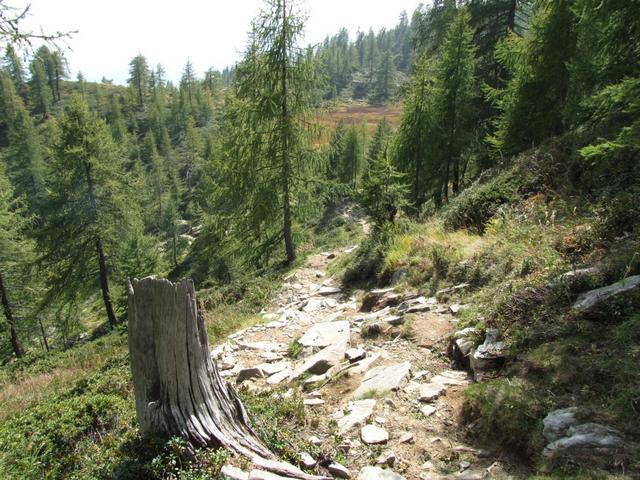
{"points": [[526, 249]]}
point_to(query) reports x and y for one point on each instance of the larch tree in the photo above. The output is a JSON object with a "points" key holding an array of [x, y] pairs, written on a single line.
{"points": [[12, 249], [88, 210], [41, 94], [383, 189], [455, 88], [16, 71], [267, 156], [531, 105], [139, 78], [412, 141], [24, 156]]}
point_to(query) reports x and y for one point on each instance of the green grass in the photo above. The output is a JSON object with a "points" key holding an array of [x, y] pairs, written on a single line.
{"points": [[294, 349]]}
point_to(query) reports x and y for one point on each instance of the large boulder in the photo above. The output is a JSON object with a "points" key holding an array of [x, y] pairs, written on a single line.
{"points": [[377, 299], [582, 443], [461, 346], [416, 305], [491, 355], [445, 293], [557, 422], [593, 298]]}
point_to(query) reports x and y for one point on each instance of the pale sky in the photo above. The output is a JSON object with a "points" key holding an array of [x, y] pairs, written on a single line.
{"points": [[211, 33]]}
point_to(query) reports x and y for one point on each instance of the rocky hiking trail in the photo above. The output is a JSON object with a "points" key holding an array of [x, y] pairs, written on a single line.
{"points": [[380, 392]]}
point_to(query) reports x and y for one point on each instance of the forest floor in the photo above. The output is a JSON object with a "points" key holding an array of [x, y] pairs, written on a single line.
{"points": [[305, 334]]}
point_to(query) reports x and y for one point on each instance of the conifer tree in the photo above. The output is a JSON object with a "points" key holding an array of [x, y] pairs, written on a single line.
{"points": [[193, 149], [12, 250], [455, 89], [139, 78], [383, 189], [532, 103], [411, 150], [385, 77], [351, 161], [24, 152], [116, 120], [16, 71], [88, 211], [336, 152], [266, 149], [41, 94]]}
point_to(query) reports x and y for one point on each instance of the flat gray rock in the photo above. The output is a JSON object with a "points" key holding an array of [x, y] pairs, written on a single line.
{"points": [[377, 473], [280, 377], [363, 365], [229, 472], [313, 305], [271, 368], [431, 391], [320, 362], [386, 458], [355, 354], [373, 435], [383, 379], [587, 440], [394, 320], [262, 475], [248, 373], [307, 460], [593, 298], [338, 470], [264, 346], [428, 410], [557, 422], [325, 334], [451, 378], [358, 413], [329, 290]]}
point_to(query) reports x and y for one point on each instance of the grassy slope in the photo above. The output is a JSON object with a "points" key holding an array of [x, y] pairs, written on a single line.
{"points": [[510, 237], [71, 414]]}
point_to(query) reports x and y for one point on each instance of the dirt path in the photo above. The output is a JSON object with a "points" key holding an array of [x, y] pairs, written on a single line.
{"points": [[406, 341]]}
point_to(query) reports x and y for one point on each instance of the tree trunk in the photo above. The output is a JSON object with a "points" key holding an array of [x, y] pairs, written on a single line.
{"points": [[177, 386], [8, 313], [102, 262], [104, 285], [286, 160], [45, 342]]}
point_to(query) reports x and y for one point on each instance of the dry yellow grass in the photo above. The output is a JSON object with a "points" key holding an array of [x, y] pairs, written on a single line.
{"points": [[15, 397], [354, 114]]}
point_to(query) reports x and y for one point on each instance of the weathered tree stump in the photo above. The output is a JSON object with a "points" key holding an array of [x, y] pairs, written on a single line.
{"points": [[178, 389]]}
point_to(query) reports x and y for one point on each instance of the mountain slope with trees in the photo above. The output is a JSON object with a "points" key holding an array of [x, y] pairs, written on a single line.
{"points": [[514, 164]]}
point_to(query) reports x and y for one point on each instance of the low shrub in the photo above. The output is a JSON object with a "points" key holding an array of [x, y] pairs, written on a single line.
{"points": [[507, 411], [475, 206]]}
